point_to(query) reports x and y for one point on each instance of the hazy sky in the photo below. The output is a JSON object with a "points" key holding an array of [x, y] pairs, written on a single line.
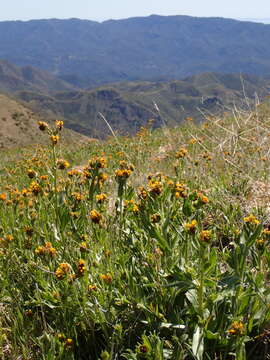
{"points": [[116, 9]]}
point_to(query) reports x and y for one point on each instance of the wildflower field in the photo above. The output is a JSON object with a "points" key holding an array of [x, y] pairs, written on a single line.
{"points": [[147, 247]]}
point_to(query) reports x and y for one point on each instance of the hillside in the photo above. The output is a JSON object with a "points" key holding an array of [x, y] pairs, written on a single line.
{"points": [[129, 105], [18, 126], [89, 53], [13, 78], [151, 247]]}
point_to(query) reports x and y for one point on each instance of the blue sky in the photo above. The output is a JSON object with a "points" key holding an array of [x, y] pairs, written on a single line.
{"points": [[116, 9]]}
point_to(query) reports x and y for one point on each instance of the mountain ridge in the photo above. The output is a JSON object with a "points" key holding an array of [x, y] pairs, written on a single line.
{"points": [[129, 105], [14, 78], [89, 53]]}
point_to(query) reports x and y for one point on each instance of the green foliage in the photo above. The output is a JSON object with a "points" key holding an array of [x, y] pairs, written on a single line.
{"points": [[151, 249]]}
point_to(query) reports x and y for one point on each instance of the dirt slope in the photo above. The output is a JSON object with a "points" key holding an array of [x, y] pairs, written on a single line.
{"points": [[18, 126]]}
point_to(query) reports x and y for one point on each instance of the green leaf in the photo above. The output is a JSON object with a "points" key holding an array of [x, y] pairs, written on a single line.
{"points": [[211, 336], [187, 208], [254, 236]]}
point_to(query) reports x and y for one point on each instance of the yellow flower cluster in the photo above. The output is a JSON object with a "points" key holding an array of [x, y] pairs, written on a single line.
{"points": [[54, 139], [203, 199], [68, 342], [260, 243], [192, 141], [9, 237], [77, 196], [43, 177], [92, 288], [35, 188], [191, 227], [62, 164], [3, 197], [251, 219], [62, 270], [124, 171], [129, 203], [142, 132], [81, 267], [124, 165], [4, 242], [237, 328], [180, 190], [74, 214], [155, 187], [31, 173], [59, 124], [205, 236], [24, 192], [83, 246], [142, 193], [97, 163], [95, 216], [43, 125], [61, 337], [266, 232], [135, 209], [207, 156], [47, 249], [74, 172], [100, 198], [122, 174], [181, 153], [107, 278], [102, 177]]}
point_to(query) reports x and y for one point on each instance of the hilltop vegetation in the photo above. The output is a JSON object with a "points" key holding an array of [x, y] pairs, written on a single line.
{"points": [[147, 247], [128, 106], [88, 53]]}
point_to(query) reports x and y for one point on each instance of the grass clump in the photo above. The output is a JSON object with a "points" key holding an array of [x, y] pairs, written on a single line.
{"points": [[150, 247]]}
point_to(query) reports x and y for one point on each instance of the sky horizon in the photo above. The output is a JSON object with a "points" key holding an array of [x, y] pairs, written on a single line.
{"points": [[259, 20], [119, 9]]}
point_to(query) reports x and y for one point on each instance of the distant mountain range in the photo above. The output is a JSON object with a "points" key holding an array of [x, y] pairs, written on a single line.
{"points": [[123, 69], [87, 53]]}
